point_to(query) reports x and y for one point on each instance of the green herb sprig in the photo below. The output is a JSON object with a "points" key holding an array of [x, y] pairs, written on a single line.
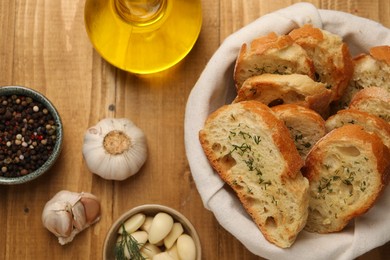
{"points": [[130, 244]]}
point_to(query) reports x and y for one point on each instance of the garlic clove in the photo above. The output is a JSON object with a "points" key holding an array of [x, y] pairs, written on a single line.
{"points": [[60, 223], [141, 237], [68, 213], [161, 226], [134, 223], [147, 223], [149, 250], [64, 197], [86, 211], [173, 252], [126, 249], [79, 219], [163, 256], [92, 208], [186, 248], [175, 232]]}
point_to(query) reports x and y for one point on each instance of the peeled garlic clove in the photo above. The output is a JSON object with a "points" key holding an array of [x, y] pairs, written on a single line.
{"points": [[170, 239], [160, 243], [126, 249], [114, 149], [149, 250], [147, 223], [141, 237], [161, 226], [133, 223], [68, 213], [186, 247], [173, 252], [163, 256]]}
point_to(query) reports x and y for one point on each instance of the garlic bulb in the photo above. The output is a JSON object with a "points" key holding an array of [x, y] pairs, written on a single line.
{"points": [[68, 213], [115, 148]]}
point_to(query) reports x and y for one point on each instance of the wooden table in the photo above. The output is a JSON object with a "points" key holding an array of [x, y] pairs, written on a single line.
{"points": [[44, 45]]}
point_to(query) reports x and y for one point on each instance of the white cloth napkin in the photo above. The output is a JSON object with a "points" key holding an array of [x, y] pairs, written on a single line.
{"points": [[215, 88]]}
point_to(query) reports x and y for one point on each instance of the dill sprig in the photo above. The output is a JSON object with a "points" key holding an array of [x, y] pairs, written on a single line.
{"points": [[130, 244]]}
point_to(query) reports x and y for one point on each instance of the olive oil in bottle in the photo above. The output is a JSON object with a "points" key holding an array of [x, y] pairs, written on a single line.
{"points": [[143, 36]]}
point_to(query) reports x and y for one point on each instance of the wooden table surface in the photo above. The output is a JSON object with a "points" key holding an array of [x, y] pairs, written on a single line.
{"points": [[44, 46]]}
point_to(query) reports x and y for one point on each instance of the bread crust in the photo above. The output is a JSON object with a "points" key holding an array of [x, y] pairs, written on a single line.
{"points": [[381, 53], [271, 53], [369, 122], [271, 41], [372, 92], [331, 57], [266, 174], [307, 35], [305, 125], [370, 70], [347, 170], [373, 100], [273, 89]]}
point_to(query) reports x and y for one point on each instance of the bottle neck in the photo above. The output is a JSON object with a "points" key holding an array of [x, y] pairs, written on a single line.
{"points": [[140, 12]]}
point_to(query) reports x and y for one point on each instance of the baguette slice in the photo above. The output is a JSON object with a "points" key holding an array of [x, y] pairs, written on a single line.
{"points": [[253, 153], [305, 125], [332, 60], [373, 100], [370, 70], [347, 170], [271, 54], [369, 122], [273, 89]]}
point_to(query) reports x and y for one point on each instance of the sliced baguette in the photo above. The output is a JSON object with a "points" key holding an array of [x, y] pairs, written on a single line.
{"points": [[370, 70], [271, 54], [373, 100], [330, 55], [305, 125], [251, 150], [273, 89], [347, 170], [369, 122]]}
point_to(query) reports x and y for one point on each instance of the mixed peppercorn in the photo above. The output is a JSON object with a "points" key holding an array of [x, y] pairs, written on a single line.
{"points": [[27, 135]]}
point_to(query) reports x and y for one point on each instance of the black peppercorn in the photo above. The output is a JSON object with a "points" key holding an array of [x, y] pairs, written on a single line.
{"points": [[27, 135]]}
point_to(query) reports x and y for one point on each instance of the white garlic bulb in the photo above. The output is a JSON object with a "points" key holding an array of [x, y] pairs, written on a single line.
{"points": [[115, 148], [68, 213]]}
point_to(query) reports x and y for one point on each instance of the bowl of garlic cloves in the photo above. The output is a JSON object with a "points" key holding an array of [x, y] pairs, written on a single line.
{"points": [[152, 231]]}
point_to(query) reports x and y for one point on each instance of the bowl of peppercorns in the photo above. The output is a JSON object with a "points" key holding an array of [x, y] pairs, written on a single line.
{"points": [[31, 134]]}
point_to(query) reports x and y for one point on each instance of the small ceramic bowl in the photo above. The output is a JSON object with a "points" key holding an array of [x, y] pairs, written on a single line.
{"points": [[56, 150], [148, 210]]}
